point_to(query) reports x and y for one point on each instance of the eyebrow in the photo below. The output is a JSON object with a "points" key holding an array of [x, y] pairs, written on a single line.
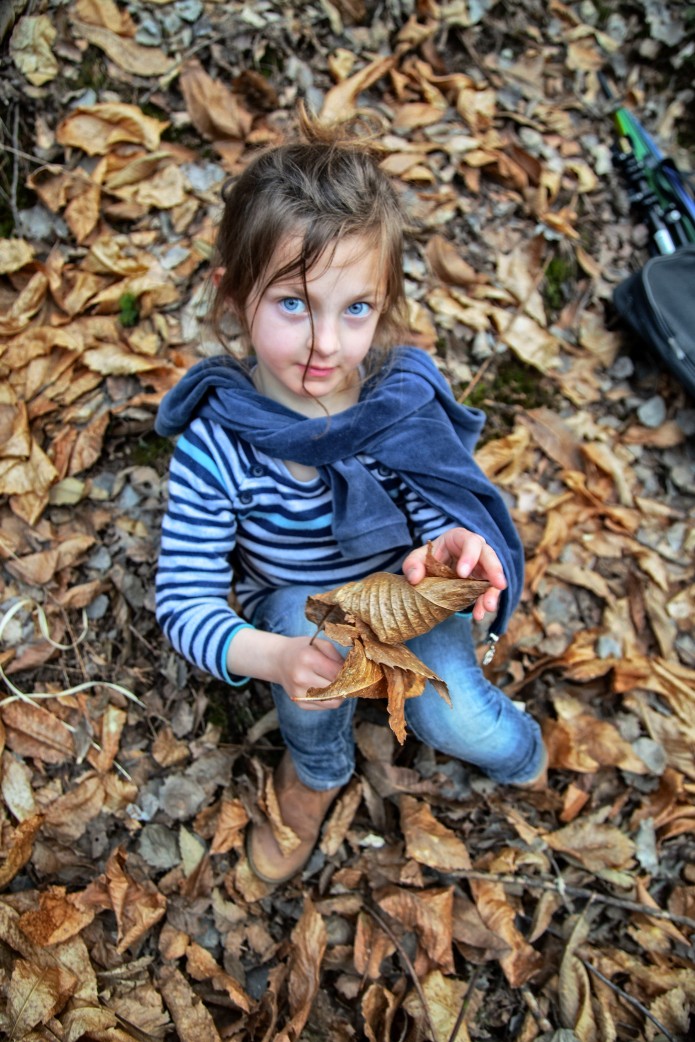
{"points": [[296, 289]]}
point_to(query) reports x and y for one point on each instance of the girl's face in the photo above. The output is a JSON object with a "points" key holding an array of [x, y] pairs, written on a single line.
{"points": [[312, 371]]}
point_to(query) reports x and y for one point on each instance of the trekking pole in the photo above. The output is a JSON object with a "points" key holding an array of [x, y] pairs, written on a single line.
{"points": [[657, 190]]}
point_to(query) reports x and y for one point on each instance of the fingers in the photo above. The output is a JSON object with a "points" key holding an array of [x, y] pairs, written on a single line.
{"points": [[328, 650], [488, 602], [478, 559], [312, 705], [312, 665], [471, 556]]}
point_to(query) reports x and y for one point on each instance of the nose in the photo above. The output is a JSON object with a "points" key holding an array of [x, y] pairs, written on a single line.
{"points": [[326, 339]]}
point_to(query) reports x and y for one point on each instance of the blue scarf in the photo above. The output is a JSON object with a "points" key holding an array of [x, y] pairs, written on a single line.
{"points": [[406, 419]]}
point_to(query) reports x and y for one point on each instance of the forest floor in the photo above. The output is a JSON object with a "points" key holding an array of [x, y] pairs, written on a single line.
{"points": [[440, 905]]}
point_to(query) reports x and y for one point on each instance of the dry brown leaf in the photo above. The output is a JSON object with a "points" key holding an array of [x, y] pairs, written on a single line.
{"points": [[430, 914], [521, 961], [448, 264], [104, 13], [68, 816], [96, 129], [308, 949], [137, 906], [574, 989], [341, 818], [15, 785], [393, 609], [34, 731], [378, 1007], [428, 841], [444, 997], [579, 741], [109, 729], [341, 101], [34, 995], [594, 844], [57, 918], [191, 1017], [674, 1011], [531, 342], [216, 112], [287, 839], [202, 966], [387, 605], [130, 56], [14, 254], [24, 306], [21, 846], [472, 936], [371, 947], [229, 830]]}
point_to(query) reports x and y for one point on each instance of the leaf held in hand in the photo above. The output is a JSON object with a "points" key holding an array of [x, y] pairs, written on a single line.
{"points": [[392, 608], [374, 617]]}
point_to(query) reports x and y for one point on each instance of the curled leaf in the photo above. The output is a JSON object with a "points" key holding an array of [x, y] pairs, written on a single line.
{"points": [[374, 617], [392, 608]]}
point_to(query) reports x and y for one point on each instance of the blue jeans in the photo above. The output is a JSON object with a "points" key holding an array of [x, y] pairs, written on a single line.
{"points": [[482, 726]]}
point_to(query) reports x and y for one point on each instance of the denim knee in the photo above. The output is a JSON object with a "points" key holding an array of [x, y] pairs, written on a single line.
{"points": [[482, 726]]}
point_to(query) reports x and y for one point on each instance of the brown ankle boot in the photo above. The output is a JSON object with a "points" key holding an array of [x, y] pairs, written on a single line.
{"points": [[301, 809]]}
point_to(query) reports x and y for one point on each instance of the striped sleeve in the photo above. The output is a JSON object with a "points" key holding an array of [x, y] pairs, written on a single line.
{"points": [[194, 575]]}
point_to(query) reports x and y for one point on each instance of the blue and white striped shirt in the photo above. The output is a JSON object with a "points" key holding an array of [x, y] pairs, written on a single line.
{"points": [[237, 515]]}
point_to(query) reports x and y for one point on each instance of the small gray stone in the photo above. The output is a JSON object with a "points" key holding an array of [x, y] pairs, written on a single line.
{"points": [[189, 10], [149, 32], [645, 847], [622, 368], [651, 753], [608, 647], [652, 413], [98, 608], [100, 560]]}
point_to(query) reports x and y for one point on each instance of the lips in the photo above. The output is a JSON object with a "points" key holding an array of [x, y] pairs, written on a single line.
{"points": [[318, 372]]}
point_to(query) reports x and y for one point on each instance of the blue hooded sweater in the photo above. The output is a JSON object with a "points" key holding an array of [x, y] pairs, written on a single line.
{"points": [[406, 419]]}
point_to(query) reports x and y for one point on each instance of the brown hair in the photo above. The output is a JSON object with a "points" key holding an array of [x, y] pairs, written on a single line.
{"points": [[319, 189]]}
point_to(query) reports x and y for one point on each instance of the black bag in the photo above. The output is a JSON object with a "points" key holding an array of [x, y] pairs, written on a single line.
{"points": [[658, 303]]}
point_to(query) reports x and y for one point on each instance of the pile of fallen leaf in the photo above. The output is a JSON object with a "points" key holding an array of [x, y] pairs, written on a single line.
{"points": [[439, 905]]}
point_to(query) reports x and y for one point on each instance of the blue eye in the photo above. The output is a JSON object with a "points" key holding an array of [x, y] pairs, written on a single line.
{"points": [[359, 310], [292, 305]]}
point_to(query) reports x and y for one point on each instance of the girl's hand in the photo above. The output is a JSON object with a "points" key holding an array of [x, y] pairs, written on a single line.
{"points": [[472, 558], [301, 665]]}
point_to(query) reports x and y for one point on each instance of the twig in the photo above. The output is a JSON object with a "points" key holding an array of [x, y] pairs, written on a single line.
{"points": [[576, 891], [538, 1014], [15, 173], [465, 1004], [476, 379], [628, 998], [36, 159], [378, 918]]}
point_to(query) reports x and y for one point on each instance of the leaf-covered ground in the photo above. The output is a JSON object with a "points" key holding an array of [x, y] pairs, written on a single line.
{"points": [[439, 905]]}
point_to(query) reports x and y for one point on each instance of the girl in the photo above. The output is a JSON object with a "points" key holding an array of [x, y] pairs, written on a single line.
{"points": [[320, 459]]}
